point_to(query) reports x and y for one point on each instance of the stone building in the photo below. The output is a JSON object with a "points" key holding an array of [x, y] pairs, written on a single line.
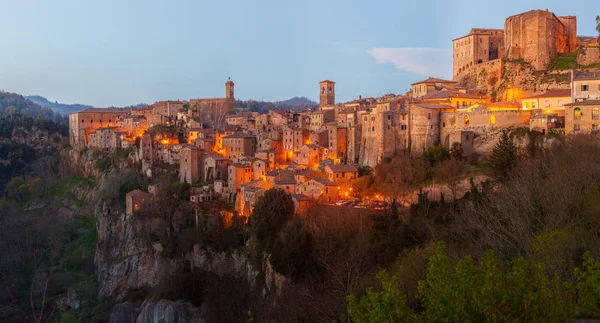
{"points": [[310, 155], [545, 122], [135, 125], [238, 174], [84, 122], [479, 46], [320, 189], [551, 102], [430, 85], [341, 173], [338, 141], [326, 93], [136, 200], [215, 167], [239, 144], [384, 133], [190, 165], [582, 117], [212, 112], [294, 138], [424, 126], [320, 117], [538, 36], [168, 109], [302, 204], [585, 85], [107, 138]]}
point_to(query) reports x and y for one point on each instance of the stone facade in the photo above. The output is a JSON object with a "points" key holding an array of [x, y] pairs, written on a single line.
{"points": [[479, 46], [341, 173], [189, 165], [582, 117], [107, 138], [326, 93], [585, 85], [239, 144], [538, 36], [83, 123], [424, 126]]}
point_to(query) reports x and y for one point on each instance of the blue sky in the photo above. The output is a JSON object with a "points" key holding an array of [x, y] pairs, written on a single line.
{"points": [[122, 52]]}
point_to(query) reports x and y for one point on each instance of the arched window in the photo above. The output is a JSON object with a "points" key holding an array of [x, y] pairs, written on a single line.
{"points": [[492, 119], [323, 90], [467, 120], [576, 113]]}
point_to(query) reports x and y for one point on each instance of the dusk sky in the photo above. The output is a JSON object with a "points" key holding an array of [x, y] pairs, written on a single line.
{"points": [[117, 52]]}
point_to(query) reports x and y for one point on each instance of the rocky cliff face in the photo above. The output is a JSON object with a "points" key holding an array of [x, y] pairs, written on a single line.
{"points": [[512, 80]]}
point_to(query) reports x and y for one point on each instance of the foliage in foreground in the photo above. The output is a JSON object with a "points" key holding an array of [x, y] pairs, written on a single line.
{"points": [[484, 291]]}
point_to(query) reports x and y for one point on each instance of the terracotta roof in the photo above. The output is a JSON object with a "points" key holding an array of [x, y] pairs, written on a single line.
{"points": [[450, 94], [103, 110], [323, 181], [239, 135], [342, 168], [326, 81], [583, 75], [552, 94], [433, 80], [300, 197], [432, 106], [586, 102], [285, 181]]}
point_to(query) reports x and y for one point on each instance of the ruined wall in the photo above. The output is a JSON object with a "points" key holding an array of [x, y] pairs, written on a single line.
{"points": [[588, 56]]}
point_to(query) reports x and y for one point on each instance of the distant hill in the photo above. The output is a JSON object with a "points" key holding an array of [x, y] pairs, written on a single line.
{"points": [[64, 109], [8, 99], [296, 100], [294, 104]]}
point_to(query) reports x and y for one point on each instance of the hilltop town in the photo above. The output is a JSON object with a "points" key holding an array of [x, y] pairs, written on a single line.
{"points": [[377, 209], [315, 155]]}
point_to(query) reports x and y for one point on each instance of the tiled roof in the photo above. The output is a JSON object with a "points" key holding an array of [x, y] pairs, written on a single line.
{"points": [[103, 110], [327, 81], [450, 94], [583, 75], [586, 102], [300, 197], [285, 181], [552, 94], [239, 135], [342, 168], [434, 80], [323, 181]]}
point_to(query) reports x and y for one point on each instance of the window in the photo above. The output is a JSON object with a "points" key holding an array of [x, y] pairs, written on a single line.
{"points": [[403, 127], [576, 113], [584, 87], [466, 120], [492, 119], [337, 175], [560, 103], [547, 103], [372, 129], [576, 128], [594, 127], [533, 105], [389, 117], [443, 125], [594, 113], [429, 116]]}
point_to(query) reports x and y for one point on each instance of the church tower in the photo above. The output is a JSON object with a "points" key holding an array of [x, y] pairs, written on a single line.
{"points": [[229, 89], [327, 93]]}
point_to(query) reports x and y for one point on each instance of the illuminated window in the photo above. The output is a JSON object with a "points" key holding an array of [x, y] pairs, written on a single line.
{"points": [[560, 103], [577, 114], [467, 120], [594, 113], [492, 119]]}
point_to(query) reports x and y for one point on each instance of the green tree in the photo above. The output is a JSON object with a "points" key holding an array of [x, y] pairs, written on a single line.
{"points": [[588, 286], [503, 157], [387, 305], [271, 213], [437, 154]]}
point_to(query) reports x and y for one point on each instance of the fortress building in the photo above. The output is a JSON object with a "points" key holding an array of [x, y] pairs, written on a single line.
{"points": [[538, 36], [535, 36]]}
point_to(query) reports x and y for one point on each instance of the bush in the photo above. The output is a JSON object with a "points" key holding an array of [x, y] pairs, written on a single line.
{"points": [[437, 154]]}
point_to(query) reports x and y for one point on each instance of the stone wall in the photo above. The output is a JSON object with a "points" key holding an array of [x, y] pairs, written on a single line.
{"points": [[588, 56], [481, 122], [424, 128]]}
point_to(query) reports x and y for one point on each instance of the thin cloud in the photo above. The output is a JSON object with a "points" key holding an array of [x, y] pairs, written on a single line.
{"points": [[424, 61]]}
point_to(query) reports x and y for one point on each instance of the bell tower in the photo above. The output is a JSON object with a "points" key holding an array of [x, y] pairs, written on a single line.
{"points": [[326, 93], [229, 89]]}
